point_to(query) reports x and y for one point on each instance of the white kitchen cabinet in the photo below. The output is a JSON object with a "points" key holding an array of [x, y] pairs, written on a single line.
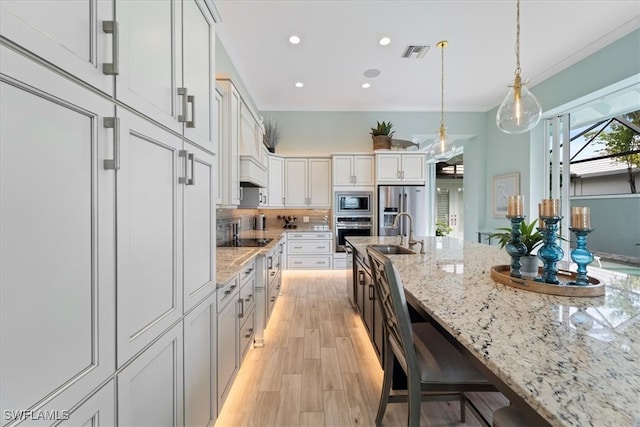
{"points": [[97, 411], [61, 35], [150, 388], [149, 252], [57, 251], [275, 193], [228, 344], [168, 76], [247, 299], [199, 234], [353, 170], [308, 182], [200, 328], [400, 168], [309, 250], [221, 152], [229, 155]]}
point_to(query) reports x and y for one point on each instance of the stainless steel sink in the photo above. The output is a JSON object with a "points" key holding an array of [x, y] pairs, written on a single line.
{"points": [[392, 249]]}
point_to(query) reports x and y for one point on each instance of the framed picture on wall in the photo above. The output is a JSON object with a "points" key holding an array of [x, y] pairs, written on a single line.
{"points": [[504, 186]]}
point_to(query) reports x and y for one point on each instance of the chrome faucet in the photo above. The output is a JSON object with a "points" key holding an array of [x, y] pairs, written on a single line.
{"points": [[411, 242]]}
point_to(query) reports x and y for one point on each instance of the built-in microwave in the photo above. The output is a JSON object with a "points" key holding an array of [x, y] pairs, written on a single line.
{"points": [[352, 203]]}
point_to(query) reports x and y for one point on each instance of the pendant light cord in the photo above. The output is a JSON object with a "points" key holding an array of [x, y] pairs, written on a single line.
{"points": [[442, 86], [518, 38]]}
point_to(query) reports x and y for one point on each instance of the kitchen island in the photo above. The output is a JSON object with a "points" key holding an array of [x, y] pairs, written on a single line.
{"points": [[575, 361]]}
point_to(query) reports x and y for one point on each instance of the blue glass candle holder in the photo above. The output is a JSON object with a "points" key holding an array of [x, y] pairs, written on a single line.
{"points": [[581, 255], [515, 247], [550, 252]]}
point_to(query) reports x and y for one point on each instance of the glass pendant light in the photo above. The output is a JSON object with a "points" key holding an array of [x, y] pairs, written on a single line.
{"points": [[443, 146], [520, 111]]}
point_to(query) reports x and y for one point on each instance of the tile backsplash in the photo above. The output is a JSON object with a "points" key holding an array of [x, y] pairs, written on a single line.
{"points": [[244, 217]]}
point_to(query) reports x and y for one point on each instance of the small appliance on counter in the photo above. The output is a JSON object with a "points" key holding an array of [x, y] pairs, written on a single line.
{"points": [[288, 221], [259, 222]]}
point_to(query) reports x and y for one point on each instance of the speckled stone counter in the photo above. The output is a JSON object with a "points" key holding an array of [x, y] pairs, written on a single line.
{"points": [[230, 260], [576, 361]]}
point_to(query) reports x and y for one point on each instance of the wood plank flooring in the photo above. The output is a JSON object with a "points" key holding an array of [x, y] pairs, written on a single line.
{"points": [[318, 368]]}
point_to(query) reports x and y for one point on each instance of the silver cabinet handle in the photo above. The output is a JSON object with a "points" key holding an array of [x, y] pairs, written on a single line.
{"points": [[192, 100], [241, 314], [192, 160], [182, 91], [112, 68], [371, 297], [113, 123], [249, 333], [188, 158]]}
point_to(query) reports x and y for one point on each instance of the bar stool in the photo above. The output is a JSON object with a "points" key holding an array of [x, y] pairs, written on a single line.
{"points": [[435, 369]]}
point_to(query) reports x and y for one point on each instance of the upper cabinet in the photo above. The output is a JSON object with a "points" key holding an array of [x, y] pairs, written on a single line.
{"points": [[167, 76], [71, 38], [253, 164], [405, 168], [352, 170], [308, 182], [275, 190], [229, 159]]}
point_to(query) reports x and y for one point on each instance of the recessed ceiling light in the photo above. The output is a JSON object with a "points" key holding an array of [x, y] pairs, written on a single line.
{"points": [[366, 85], [384, 41], [294, 39], [372, 72], [299, 84]]}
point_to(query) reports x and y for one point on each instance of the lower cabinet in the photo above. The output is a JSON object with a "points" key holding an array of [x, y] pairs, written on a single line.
{"points": [[368, 304], [200, 400], [97, 411], [228, 359], [310, 250], [150, 388]]}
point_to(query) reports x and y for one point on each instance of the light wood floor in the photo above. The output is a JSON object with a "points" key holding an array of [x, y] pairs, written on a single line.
{"points": [[318, 367]]}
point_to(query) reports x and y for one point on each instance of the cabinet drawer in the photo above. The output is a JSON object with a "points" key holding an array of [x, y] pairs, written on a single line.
{"points": [[247, 332], [310, 262], [310, 247], [247, 273], [247, 297], [227, 293], [314, 235]]}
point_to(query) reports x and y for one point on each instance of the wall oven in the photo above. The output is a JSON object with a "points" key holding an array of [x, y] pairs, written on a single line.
{"points": [[352, 203], [351, 226]]}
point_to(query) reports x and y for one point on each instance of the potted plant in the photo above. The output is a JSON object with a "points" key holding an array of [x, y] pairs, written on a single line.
{"points": [[381, 135], [531, 237], [271, 135], [442, 229]]}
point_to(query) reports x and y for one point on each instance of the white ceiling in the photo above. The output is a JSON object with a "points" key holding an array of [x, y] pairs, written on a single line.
{"points": [[340, 41]]}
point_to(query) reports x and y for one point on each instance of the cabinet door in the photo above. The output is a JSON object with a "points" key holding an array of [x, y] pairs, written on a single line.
{"points": [[222, 180], [343, 170], [150, 388], [248, 136], [98, 411], [149, 239], [57, 263], [233, 142], [319, 181], [413, 168], [149, 65], [199, 226], [276, 182], [388, 167], [198, 44], [228, 347], [69, 35], [295, 182], [200, 364], [363, 170]]}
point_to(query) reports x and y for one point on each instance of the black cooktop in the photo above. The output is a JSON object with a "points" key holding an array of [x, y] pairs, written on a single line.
{"points": [[246, 243]]}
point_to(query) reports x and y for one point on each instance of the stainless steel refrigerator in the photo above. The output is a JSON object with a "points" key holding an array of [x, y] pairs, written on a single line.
{"points": [[393, 199]]}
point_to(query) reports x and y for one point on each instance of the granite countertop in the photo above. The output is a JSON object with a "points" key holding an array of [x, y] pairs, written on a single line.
{"points": [[230, 260], [576, 361]]}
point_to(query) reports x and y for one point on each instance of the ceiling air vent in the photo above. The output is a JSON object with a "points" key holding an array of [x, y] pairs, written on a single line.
{"points": [[415, 51]]}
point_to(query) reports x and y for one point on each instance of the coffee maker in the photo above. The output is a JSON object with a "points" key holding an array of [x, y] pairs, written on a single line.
{"points": [[259, 222]]}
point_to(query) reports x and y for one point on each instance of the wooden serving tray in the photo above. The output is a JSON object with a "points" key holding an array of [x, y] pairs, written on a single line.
{"points": [[502, 274]]}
